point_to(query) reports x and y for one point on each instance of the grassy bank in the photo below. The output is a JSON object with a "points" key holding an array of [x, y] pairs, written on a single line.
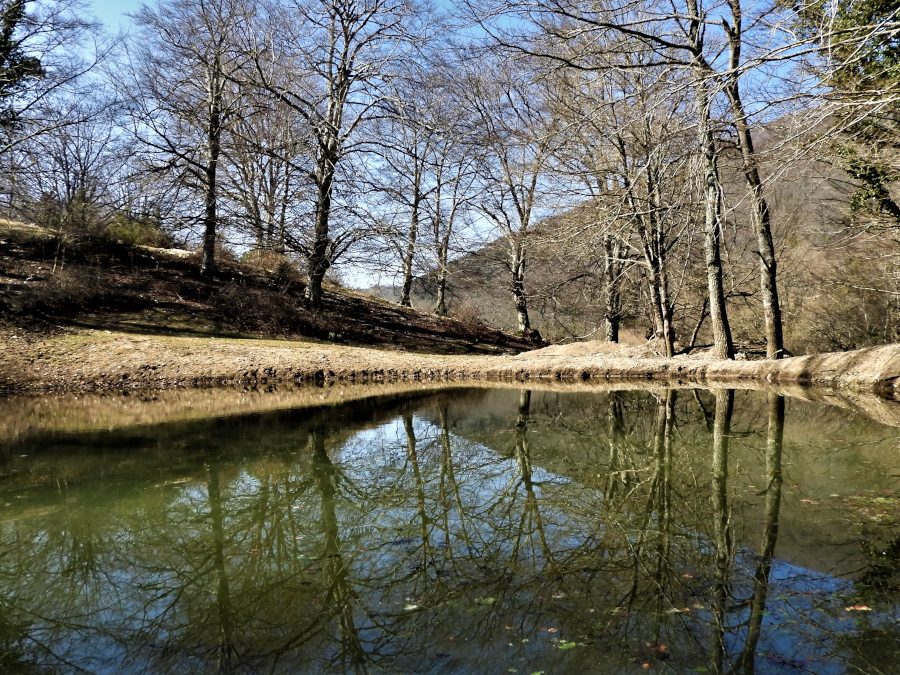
{"points": [[100, 315], [97, 360]]}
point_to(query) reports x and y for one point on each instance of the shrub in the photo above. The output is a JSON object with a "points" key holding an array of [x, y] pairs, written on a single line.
{"points": [[137, 232], [62, 294], [469, 316], [261, 310], [283, 269]]}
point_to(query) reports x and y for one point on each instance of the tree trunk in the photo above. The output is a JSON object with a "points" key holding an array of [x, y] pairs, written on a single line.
{"points": [[760, 215], [723, 346], [213, 142], [409, 254], [317, 258], [518, 289], [440, 303], [657, 244], [665, 306], [612, 281], [659, 305]]}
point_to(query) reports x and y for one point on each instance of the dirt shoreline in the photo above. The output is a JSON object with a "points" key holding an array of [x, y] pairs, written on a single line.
{"points": [[96, 361]]}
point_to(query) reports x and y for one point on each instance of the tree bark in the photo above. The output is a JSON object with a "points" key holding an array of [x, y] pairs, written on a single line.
{"points": [[440, 303], [723, 346], [213, 147], [612, 270], [760, 215], [317, 258], [518, 288], [409, 254]]}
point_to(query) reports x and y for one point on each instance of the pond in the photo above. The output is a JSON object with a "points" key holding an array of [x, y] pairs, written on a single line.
{"points": [[466, 530]]}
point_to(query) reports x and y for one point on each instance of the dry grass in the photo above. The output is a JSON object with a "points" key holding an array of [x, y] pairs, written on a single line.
{"points": [[92, 360]]}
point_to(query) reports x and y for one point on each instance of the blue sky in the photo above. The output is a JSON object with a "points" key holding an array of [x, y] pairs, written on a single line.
{"points": [[112, 12]]}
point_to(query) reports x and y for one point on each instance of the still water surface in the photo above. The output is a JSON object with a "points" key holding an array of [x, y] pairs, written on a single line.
{"points": [[475, 531]]}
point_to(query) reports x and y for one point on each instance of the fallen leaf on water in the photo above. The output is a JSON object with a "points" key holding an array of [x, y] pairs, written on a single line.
{"points": [[566, 645]]}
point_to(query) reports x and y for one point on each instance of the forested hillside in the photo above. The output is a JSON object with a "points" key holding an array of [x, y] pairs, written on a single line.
{"points": [[838, 276], [710, 173]]}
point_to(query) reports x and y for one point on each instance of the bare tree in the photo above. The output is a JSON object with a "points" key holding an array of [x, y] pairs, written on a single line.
{"points": [[760, 213], [266, 173], [328, 61], [404, 145], [455, 176], [569, 34], [631, 151], [66, 177], [180, 94], [517, 134], [47, 48]]}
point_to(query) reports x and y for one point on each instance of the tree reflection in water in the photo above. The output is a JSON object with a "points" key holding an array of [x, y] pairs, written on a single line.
{"points": [[460, 531], [774, 443]]}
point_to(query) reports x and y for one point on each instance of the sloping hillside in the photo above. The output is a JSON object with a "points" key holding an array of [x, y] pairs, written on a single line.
{"points": [[820, 244], [94, 283]]}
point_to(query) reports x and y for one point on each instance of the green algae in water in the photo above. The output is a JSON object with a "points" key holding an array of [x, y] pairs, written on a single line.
{"points": [[486, 531]]}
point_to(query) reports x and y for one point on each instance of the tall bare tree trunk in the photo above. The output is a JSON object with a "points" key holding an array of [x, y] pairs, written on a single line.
{"points": [[213, 148], [410, 253], [317, 258], [612, 281], [760, 215], [723, 347], [657, 244]]}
